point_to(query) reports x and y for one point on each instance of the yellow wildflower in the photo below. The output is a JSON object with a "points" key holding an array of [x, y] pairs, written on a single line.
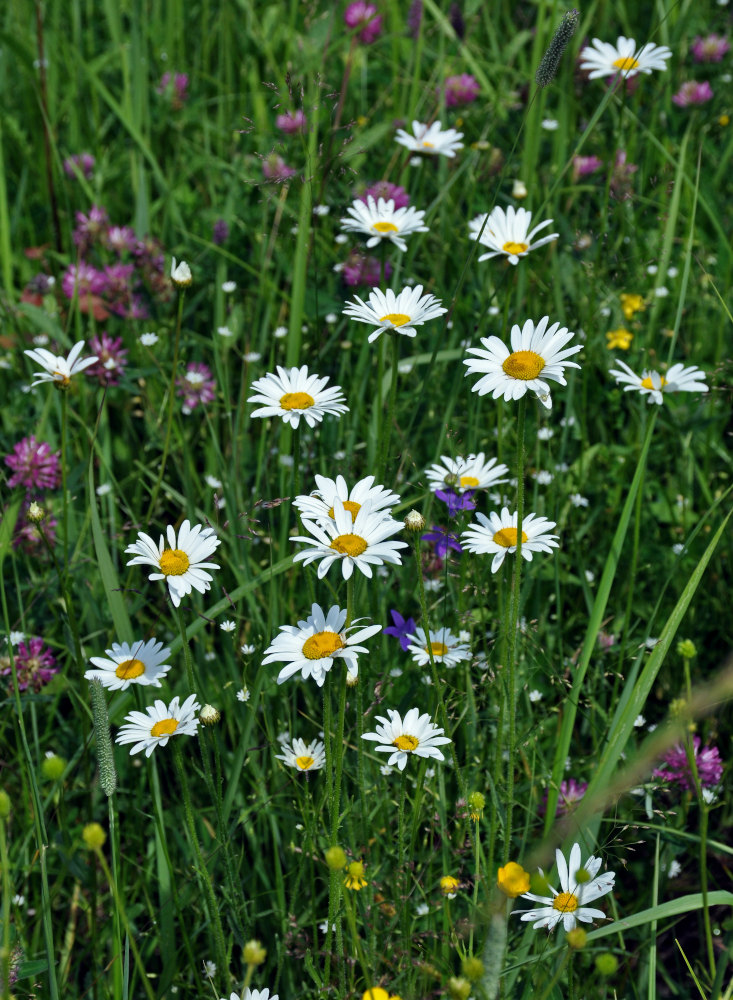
{"points": [[513, 880], [620, 338]]}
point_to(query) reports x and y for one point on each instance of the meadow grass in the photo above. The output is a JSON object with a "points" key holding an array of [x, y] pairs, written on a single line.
{"points": [[213, 867]]}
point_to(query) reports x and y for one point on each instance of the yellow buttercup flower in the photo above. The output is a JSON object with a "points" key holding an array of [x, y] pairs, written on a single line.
{"points": [[513, 880], [448, 886], [620, 338], [355, 876], [631, 303]]}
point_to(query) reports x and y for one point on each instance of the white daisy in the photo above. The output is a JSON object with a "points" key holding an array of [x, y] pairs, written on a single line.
{"points": [[498, 535], [446, 647], [360, 542], [379, 220], [182, 564], [401, 313], [507, 232], [293, 393], [57, 368], [318, 506], [568, 905], [536, 350], [601, 59], [139, 663], [415, 735], [461, 474], [303, 756], [656, 386], [430, 139], [312, 645], [253, 995], [158, 723]]}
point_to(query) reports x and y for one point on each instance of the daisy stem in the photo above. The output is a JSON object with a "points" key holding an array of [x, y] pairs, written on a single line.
{"points": [[215, 919], [64, 493], [171, 398], [336, 799], [512, 643], [186, 651], [387, 428], [402, 874]]}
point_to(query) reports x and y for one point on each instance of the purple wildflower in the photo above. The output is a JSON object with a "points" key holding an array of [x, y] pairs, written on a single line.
{"points": [[83, 161], [34, 465], [276, 169], [712, 48], [82, 279], [692, 93], [571, 792], [414, 18], [363, 15], [89, 228], [177, 85], [27, 535], [221, 232], [456, 502], [360, 269], [584, 165], [34, 664], [40, 284], [460, 90], [291, 122], [111, 359], [197, 387], [402, 629], [386, 190], [120, 239], [443, 539], [118, 287], [677, 767]]}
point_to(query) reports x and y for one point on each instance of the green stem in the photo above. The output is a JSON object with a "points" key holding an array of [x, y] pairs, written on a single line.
{"points": [[387, 427], [187, 661], [171, 400], [64, 490]]}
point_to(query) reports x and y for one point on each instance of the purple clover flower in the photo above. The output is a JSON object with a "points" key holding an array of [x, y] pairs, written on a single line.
{"points": [[221, 232], [571, 792], [692, 94], [197, 387], [111, 359], [402, 629], [585, 165], [34, 465], [82, 279], [712, 48], [460, 90], [291, 122], [34, 664], [677, 770], [275, 169], [386, 190], [121, 239], [443, 540], [361, 14], [177, 85], [621, 177], [456, 502], [360, 269], [90, 228], [83, 161]]}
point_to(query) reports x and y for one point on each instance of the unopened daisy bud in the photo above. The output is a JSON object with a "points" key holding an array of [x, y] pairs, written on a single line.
{"points": [[253, 953], [4, 804], [513, 880], [607, 963], [576, 938], [181, 274], [452, 479], [352, 678], [35, 513], [209, 715], [414, 521], [459, 988], [93, 836], [519, 190], [551, 59], [105, 756], [472, 968], [53, 767], [336, 858], [476, 803], [686, 649]]}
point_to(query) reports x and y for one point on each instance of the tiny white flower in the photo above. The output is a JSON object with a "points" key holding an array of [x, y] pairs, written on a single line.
{"points": [[210, 969], [251, 357], [639, 721], [341, 238], [544, 433], [709, 796], [535, 695], [672, 272], [590, 575], [661, 292], [678, 548], [550, 124], [224, 331], [16, 637], [228, 287], [652, 269], [331, 318], [228, 626], [213, 482], [577, 500], [103, 489], [674, 870], [243, 694], [148, 339], [247, 650], [321, 209]]}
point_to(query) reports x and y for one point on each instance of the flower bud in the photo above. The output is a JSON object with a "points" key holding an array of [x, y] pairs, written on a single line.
{"points": [[519, 190], [686, 649], [335, 858], [4, 804], [35, 513], [53, 767], [472, 968], [458, 988], [476, 803], [253, 953], [93, 836], [414, 521], [576, 938], [209, 715], [181, 274], [607, 964]]}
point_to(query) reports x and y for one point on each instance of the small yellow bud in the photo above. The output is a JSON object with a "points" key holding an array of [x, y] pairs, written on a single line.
{"points": [[253, 953], [576, 938], [335, 858], [513, 880], [414, 521], [607, 964], [53, 767], [459, 989], [4, 804], [472, 968], [686, 649], [93, 836]]}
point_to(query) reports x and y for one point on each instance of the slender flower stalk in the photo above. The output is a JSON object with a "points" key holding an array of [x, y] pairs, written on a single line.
{"points": [[171, 402]]}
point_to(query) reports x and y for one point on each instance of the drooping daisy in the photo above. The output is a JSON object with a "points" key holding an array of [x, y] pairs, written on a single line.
{"points": [[182, 564], [293, 393], [461, 474], [415, 735], [379, 220], [507, 232], [498, 535], [401, 313], [656, 386], [446, 647], [319, 505], [158, 723], [360, 543], [568, 905], [312, 645], [600, 59], [303, 756], [536, 350], [430, 139], [139, 663], [57, 368]]}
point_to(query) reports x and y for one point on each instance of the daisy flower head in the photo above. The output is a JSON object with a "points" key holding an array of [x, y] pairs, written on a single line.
{"points": [[303, 756], [536, 350], [319, 505], [430, 139], [415, 735], [601, 59], [252, 995], [57, 368], [507, 232], [379, 220], [497, 535], [181, 274], [656, 386], [182, 564], [580, 885], [139, 663], [293, 393], [360, 542], [445, 647], [461, 474], [312, 645], [398, 313], [158, 723]]}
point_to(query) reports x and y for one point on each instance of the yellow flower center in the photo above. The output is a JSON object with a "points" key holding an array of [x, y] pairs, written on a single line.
{"points": [[322, 644], [428, 145], [512, 247], [351, 505], [63, 379], [129, 669], [296, 401], [396, 319], [525, 365], [439, 648], [385, 227], [406, 742], [304, 762], [647, 382], [565, 902], [468, 481], [166, 727], [628, 62], [174, 562], [508, 537], [349, 545]]}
